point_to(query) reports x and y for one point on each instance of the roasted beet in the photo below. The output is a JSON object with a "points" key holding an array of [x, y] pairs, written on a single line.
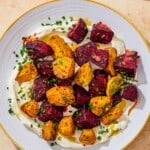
{"points": [[81, 96], [116, 98], [98, 85], [82, 53], [64, 82], [40, 86], [101, 33], [38, 49], [99, 57], [130, 92], [85, 119], [127, 63], [100, 72], [78, 31], [50, 112], [44, 67]]}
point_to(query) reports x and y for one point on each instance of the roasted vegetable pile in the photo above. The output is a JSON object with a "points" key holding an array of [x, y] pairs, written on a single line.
{"points": [[92, 80]]}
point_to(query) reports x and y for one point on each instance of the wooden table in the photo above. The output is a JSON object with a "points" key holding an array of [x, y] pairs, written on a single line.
{"points": [[137, 11]]}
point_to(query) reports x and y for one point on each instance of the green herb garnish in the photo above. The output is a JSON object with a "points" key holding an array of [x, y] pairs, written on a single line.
{"points": [[10, 110], [23, 50]]}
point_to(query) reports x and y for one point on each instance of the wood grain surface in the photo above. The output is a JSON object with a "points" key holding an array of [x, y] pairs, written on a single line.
{"points": [[137, 11]]}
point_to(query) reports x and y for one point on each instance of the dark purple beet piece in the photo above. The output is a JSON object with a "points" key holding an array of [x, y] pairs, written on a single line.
{"points": [[127, 63], [100, 72], [64, 82], [85, 119], [38, 49], [98, 85], [44, 67], [78, 31], [130, 92], [101, 33], [40, 86], [99, 57], [116, 98], [81, 96], [82, 53], [50, 112]]}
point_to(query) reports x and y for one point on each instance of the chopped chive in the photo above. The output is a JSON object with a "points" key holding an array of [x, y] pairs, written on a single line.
{"points": [[58, 23], [115, 122], [39, 125], [23, 50], [71, 18], [42, 24], [18, 99], [11, 111], [99, 137], [59, 138], [52, 144], [63, 17]]}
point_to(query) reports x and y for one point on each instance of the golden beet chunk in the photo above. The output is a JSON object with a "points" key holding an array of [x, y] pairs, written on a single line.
{"points": [[84, 75], [30, 108], [59, 46], [48, 131], [113, 114], [27, 73], [87, 137], [112, 56], [63, 67], [98, 104], [113, 85], [66, 126], [60, 96]]}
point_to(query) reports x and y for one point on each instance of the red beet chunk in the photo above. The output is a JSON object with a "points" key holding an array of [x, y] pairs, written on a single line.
{"points": [[40, 86], [101, 33], [44, 67], [82, 53], [38, 49], [99, 57], [116, 98], [100, 72], [50, 112], [130, 92], [98, 85], [82, 97], [78, 31], [64, 82], [127, 63], [85, 119]]}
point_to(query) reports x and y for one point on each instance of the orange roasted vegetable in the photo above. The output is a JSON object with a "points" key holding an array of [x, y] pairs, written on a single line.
{"points": [[30, 108], [59, 46], [84, 75], [27, 73], [48, 131], [113, 114], [60, 96], [63, 67], [66, 126], [98, 104], [87, 137], [112, 56]]}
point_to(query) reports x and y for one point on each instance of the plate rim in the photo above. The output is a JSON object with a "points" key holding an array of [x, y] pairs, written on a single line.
{"points": [[98, 3]]}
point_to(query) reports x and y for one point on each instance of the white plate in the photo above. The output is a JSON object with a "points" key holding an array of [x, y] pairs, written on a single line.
{"points": [[28, 24]]}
